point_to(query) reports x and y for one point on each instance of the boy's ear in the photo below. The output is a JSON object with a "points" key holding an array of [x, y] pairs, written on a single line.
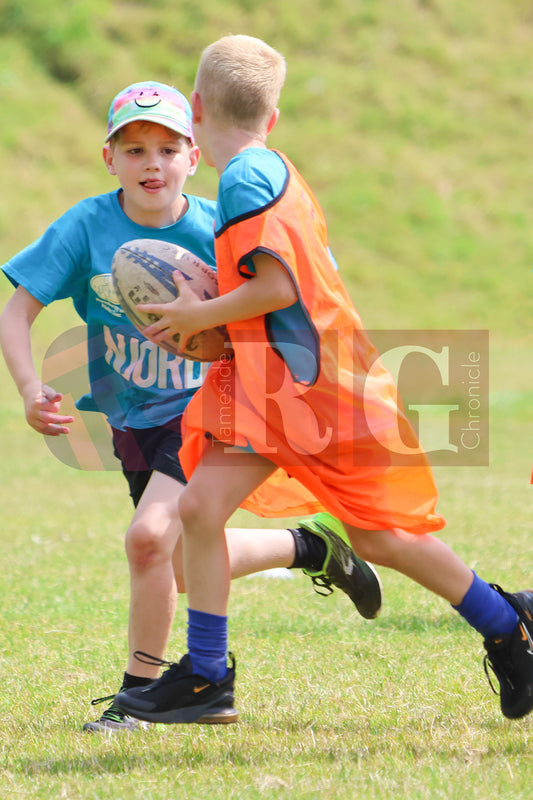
{"points": [[196, 106], [194, 158], [273, 119], [107, 154]]}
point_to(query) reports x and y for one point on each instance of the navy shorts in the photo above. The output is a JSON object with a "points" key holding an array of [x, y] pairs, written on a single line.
{"points": [[143, 450]]}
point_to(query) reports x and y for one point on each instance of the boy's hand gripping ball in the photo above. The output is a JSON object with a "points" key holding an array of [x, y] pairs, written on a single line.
{"points": [[142, 273]]}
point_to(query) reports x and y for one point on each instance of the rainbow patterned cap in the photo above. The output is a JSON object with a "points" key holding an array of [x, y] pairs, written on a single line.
{"points": [[153, 102]]}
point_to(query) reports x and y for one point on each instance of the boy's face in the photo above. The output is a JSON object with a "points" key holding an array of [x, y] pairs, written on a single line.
{"points": [[152, 164]]}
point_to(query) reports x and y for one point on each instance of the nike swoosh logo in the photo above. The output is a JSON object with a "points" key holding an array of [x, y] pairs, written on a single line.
{"points": [[346, 562], [527, 638], [197, 689]]}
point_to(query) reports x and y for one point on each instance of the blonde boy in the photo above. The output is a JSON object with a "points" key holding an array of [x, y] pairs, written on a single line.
{"points": [[307, 392]]}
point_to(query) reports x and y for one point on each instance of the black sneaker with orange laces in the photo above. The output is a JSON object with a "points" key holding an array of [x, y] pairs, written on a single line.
{"points": [[510, 657], [181, 696]]}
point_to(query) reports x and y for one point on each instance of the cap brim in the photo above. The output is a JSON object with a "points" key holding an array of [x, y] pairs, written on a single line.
{"points": [[155, 118]]}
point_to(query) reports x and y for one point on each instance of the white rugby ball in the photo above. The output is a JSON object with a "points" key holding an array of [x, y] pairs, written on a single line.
{"points": [[142, 273]]}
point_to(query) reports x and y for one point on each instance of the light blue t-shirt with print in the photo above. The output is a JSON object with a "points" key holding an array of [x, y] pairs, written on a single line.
{"points": [[133, 382]]}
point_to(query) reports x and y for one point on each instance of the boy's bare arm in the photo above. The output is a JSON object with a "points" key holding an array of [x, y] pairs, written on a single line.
{"points": [[41, 402], [270, 289]]}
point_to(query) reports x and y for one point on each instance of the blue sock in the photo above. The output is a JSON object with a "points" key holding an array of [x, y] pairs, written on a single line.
{"points": [[207, 641], [486, 610]]}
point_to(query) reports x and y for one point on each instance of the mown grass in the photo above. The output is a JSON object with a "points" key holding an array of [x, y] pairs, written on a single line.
{"points": [[331, 706]]}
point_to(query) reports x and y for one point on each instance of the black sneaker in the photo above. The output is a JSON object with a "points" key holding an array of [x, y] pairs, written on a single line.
{"points": [[341, 567], [510, 657], [113, 719], [181, 696]]}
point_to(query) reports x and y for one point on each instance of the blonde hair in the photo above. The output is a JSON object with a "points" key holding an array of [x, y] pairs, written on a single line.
{"points": [[240, 80]]}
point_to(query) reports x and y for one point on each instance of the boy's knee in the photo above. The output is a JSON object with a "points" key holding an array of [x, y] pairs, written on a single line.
{"points": [[199, 510], [191, 507], [145, 545], [368, 545]]}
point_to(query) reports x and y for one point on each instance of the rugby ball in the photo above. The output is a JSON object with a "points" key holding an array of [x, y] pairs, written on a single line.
{"points": [[142, 273]]}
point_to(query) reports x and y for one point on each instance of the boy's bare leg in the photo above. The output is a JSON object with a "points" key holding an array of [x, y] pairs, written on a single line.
{"points": [[150, 542], [254, 550], [153, 545], [218, 486], [423, 558]]}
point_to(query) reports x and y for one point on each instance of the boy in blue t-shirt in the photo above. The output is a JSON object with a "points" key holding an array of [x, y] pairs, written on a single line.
{"points": [[141, 389]]}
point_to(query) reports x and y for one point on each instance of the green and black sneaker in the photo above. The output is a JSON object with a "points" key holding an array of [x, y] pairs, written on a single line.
{"points": [[113, 719], [342, 568]]}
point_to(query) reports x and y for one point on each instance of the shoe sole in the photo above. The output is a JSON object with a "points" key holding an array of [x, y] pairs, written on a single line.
{"points": [[99, 727], [207, 714], [370, 610], [96, 727], [225, 716]]}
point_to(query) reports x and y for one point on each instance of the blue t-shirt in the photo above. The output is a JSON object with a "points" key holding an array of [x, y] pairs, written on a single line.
{"points": [[251, 182], [133, 382]]}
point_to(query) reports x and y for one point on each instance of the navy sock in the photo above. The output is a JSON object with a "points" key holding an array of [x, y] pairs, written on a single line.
{"points": [[486, 610], [207, 641]]}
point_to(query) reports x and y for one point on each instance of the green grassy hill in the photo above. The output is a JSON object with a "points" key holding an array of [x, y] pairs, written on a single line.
{"points": [[411, 119]]}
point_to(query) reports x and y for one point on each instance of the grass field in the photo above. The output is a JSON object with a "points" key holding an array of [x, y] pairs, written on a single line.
{"points": [[412, 122], [331, 706]]}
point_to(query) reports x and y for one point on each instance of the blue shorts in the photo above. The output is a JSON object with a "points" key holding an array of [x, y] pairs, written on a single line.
{"points": [[143, 450]]}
